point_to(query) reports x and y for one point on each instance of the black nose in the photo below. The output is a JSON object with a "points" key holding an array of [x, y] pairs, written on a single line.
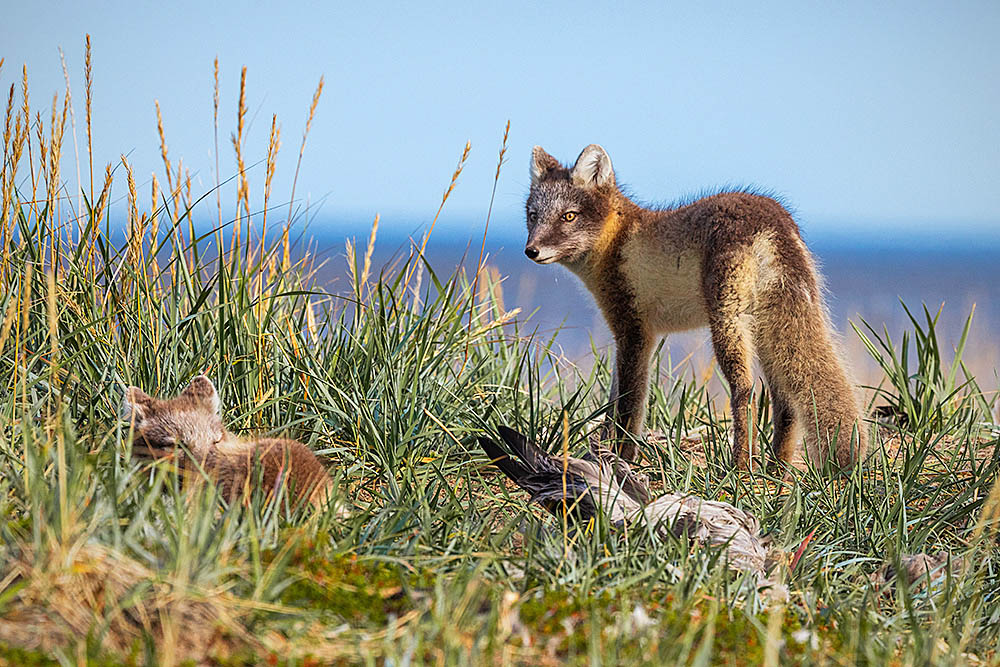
{"points": [[531, 251]]}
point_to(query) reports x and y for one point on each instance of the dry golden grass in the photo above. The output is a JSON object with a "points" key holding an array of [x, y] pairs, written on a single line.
{"points": [[74, 589], [33, 150], [369, 251], [302, 150], [89, 77]]}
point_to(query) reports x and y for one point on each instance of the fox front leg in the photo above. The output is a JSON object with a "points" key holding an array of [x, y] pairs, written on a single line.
{"points": [[630, 390]]}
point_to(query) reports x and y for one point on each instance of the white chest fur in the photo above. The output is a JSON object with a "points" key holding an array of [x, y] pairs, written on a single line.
{"points": [[667, 284]]}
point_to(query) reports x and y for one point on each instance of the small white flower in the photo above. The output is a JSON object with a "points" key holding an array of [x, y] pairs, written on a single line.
{"points": [[801, 636], [640, 619], [805, 636]]}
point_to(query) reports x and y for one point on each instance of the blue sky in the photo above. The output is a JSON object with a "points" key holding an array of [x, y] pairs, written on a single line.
{"points": [[865, 118]]}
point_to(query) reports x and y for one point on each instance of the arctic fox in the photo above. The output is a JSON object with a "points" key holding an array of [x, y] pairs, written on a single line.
{"points": [[734, 262], [192, 419]]}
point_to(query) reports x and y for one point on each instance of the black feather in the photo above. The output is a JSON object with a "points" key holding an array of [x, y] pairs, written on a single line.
{"points": [[513, 468], [544, 478], [530, 454], [547, 490]]}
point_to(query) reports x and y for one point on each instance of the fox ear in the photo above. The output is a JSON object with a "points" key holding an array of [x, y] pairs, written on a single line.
{"points": [[202, 389], [134, 404], [593, 168], [541, 164]]}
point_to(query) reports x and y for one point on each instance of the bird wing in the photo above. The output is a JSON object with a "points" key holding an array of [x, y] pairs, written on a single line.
{"points": [[529, 453], [557, 488], [514, 469], [714, 523]]}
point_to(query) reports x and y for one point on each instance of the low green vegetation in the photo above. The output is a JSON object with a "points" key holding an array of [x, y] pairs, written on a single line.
{"points": [[390, 380]]}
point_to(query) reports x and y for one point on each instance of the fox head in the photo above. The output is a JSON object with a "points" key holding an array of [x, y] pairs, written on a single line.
{"points": [[191, 419], [567, 208]]}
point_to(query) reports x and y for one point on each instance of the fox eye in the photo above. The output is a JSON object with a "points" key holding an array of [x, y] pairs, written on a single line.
{"points": [[569, 216]]}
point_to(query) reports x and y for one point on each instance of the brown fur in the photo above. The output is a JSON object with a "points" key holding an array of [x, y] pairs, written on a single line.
{"points": [[734, 262], [192, 419], [917, 570]]}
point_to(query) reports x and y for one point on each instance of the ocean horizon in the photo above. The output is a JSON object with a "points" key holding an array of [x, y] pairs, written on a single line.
{"points": [[867, 278]]}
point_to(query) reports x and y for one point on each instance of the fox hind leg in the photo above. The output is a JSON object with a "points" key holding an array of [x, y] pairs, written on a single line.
{"points": [[784, 437], [784, 440], [734, 361], [733, 353]]}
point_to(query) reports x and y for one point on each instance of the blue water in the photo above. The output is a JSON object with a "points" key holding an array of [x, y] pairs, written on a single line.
{"points": [[864, 280]]}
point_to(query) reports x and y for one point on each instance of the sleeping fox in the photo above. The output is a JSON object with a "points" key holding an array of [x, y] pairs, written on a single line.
{"points": [[193, 420]]}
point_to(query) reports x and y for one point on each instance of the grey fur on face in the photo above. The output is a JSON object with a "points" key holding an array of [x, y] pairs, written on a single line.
{"points": [[191, 419], [566, 209]]}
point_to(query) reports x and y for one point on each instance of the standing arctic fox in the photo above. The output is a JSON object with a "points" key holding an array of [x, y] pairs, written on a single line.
{"points": [[733, 261], [192, 419]]}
